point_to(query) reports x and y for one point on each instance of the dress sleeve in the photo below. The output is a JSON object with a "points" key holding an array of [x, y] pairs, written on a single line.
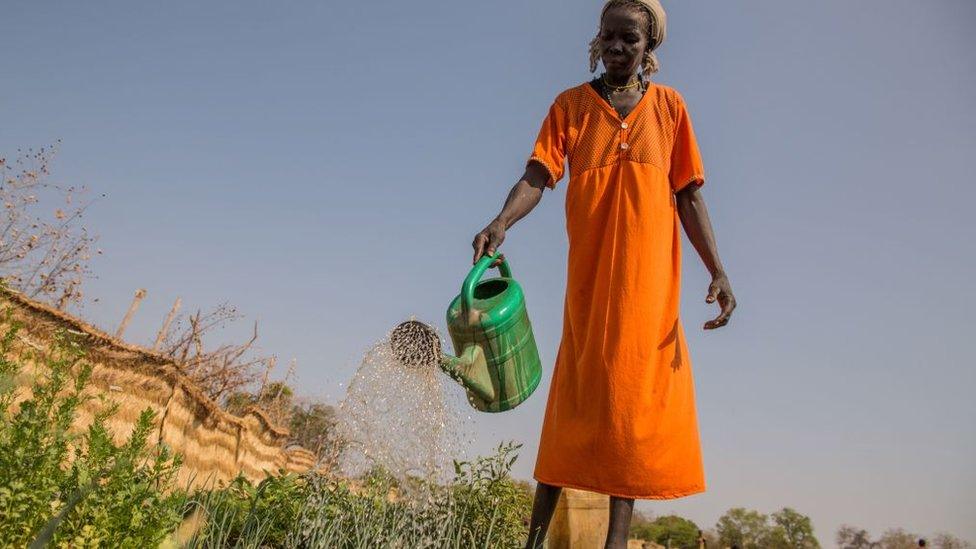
{"points": [[550, 146], [686, 162]]}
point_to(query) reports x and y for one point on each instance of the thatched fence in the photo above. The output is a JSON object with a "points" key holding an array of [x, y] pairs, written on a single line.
{"points": [[215, 445]]}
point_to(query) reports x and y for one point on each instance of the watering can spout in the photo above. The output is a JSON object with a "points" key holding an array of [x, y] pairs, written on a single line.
{"points": [[498, 363], [471, 370]]}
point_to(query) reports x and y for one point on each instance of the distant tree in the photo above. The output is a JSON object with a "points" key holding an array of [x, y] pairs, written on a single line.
{"points": [[743, 527], [679, 531], [945, 540], [791, 530], [898, 538], [639, 523], [851, 537], [311, 424]]}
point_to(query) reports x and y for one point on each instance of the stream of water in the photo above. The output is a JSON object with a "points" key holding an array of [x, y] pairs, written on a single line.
{"points": [[410, 421]]}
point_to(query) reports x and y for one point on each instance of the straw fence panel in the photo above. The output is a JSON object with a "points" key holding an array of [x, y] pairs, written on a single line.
{"points": [[215, 445]]}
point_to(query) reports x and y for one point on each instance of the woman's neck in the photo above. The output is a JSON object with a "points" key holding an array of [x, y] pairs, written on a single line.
{"points": [[618, 80]]}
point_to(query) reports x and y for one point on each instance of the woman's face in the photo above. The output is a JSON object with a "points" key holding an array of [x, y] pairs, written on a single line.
{"points": [[623, 41]]}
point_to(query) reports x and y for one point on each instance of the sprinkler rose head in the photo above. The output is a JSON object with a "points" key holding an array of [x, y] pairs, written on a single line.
{"points": [[416, 345]]}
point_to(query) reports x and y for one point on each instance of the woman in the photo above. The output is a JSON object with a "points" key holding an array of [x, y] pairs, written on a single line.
{"points": [[620, 418]]}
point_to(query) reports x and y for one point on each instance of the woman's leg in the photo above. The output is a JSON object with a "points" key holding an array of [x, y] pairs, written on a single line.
{"points": [[621, 511], [546, 497]]}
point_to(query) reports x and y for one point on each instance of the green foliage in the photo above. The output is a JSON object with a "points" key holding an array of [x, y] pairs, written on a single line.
{"points": [[785, 529], [742, 527], [311, 426], [237, 403], [791, 530], [639, 522], [69, 489], [485, 484], [245, 515], [482, 507], [681, 532]]}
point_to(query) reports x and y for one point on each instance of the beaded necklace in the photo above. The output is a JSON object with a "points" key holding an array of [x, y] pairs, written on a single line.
{"points": [[606, 87]]}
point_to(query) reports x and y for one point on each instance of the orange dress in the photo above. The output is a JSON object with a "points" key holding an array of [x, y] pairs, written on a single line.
{"points": [[621, 418]]}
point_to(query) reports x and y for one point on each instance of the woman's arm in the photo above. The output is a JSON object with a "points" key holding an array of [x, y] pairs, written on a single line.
{"points": [[694, 218], [523, 197]]}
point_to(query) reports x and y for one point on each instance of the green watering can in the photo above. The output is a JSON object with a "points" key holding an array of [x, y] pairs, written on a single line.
{"points": [[499, 363]]}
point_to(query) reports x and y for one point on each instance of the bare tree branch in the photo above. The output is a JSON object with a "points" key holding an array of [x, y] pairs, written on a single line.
{"points": [[220, 371], [44, 254]]}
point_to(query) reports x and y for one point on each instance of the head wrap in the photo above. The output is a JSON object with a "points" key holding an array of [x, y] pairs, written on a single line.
{"points": [[658, 32]]}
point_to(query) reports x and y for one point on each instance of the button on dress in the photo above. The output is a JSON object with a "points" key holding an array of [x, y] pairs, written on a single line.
{"points": [[620, 417]]}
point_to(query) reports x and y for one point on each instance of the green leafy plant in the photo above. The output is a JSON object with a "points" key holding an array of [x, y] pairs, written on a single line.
{"points": [[66, 488], [482, 507]]}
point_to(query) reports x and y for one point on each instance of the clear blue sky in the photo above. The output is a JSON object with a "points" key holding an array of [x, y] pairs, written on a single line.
{"points": [[324, 166]]}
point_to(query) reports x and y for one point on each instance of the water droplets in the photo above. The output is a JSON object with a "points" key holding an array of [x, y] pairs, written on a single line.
{"points": [[406, 419]]}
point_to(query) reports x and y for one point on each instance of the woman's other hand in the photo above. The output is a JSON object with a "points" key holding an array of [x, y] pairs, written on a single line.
{"points": [[488, 241], [720, 289], [694, 217]]}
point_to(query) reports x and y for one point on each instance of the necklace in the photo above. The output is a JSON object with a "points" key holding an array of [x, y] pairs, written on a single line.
{"points": [[608, 85], [608, 88]]}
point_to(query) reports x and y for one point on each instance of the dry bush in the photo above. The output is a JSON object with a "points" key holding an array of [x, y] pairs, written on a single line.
{"points": [[220, 372], [44, 251]]}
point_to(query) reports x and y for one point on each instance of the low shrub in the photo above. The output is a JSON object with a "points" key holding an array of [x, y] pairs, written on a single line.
{"points": [[76, 489]]}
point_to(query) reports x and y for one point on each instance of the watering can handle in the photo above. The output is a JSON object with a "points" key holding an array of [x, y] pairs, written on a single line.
{"points": [[483, 264]]}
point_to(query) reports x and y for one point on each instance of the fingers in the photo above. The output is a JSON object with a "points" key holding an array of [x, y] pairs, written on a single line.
{"points": [[498, 260], [717, 322], [479, 246], [494, 241], [486, 245], [487, 241], [728, 305], [712, 293]]}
